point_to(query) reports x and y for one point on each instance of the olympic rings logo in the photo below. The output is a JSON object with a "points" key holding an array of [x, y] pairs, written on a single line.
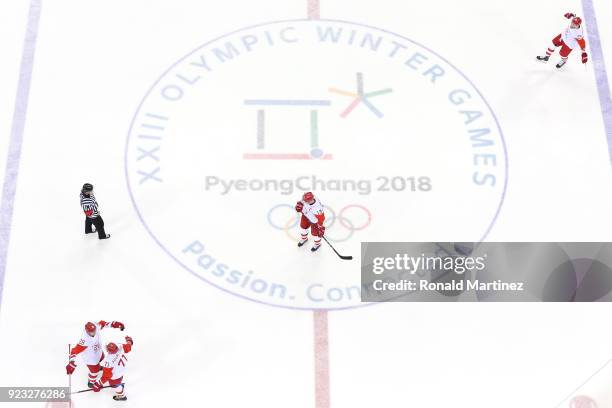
{"points": [[344, 218]]}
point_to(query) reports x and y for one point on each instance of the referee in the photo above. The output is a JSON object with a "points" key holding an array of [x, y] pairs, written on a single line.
{"points": [[92, 216]]}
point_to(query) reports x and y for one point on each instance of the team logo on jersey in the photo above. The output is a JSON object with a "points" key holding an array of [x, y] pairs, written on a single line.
{"points": [[382, 129]]}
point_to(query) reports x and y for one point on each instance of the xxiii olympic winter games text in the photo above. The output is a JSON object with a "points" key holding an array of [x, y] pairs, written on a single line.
{"points": [[367, 118]]}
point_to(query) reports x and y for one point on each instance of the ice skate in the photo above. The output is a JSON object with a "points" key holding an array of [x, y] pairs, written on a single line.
{"points": [[315, 248], [543, 58], [119, 398], [561, 63], [302, 242]]}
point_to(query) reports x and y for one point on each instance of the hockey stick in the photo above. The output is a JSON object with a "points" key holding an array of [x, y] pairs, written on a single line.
{"points": [[91, 389], [345, 257], [69, 377]]}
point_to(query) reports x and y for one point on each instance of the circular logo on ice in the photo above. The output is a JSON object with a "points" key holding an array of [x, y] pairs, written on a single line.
{"points": [[394, 140]]}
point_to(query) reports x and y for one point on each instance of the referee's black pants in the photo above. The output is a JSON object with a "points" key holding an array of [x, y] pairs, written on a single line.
{"points": [[98, 222]]}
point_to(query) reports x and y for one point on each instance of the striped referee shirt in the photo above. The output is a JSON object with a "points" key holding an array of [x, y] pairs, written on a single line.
{"points": [[89, 205]]}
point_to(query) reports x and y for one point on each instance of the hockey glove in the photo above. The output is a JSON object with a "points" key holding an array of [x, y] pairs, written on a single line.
{"points": [[299, 206], [321, 230], [585, 57], [118, 325], [129, 340], [97, 386], [569, 15], [70, 367]]}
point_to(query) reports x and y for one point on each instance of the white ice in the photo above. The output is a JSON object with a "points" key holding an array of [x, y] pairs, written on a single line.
{"points": [[200, 345]]}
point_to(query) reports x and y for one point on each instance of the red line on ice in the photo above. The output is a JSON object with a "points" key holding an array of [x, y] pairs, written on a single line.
{"points": [[321, 359], [314, 9], [283, 156]]}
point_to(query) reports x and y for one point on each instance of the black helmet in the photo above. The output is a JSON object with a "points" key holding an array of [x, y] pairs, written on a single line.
{"points": [[87, 187]]}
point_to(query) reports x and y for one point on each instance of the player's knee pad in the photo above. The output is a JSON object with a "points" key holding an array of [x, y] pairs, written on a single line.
{"points": [[94, 369]]}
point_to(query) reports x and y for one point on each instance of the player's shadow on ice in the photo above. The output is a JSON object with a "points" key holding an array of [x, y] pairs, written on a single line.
{"points": [[537, 76]]}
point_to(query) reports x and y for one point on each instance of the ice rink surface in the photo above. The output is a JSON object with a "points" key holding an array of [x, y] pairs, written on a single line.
{"points": [[200, 123]]}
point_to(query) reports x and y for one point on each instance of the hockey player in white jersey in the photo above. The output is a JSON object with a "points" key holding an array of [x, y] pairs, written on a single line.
{"points": [[90, 349], [313, 218], [113, 368], [572, 37]]}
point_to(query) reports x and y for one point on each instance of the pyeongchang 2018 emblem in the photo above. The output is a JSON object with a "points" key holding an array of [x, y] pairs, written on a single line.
{"points": [[396, 142]]}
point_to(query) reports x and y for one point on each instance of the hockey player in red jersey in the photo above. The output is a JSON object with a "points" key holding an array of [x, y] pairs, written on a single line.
{"points": [[113, 368], [313, 217], [572, 37], [90, 348]]}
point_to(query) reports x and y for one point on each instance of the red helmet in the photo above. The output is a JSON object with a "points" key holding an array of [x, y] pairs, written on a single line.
{"points": [[112, 348], [308, 197], [577, 21], [90, 327]]}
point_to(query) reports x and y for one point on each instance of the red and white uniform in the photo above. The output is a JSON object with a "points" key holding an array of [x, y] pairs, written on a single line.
{"points": [[90, 347], [113, 368], [113, 365], [572, 37], [313, 217], [313, 212]]}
